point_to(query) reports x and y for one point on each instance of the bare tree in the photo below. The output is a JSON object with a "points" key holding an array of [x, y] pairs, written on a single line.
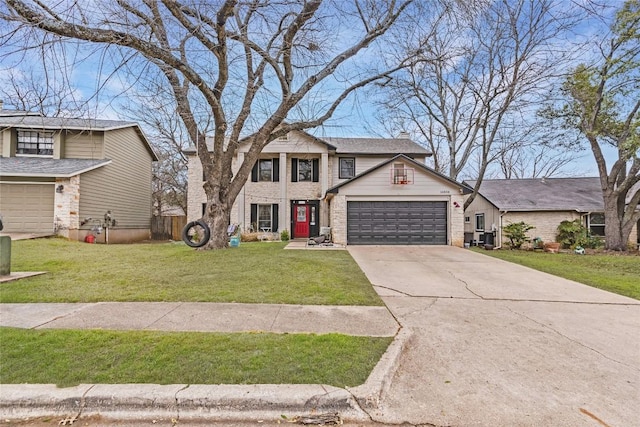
{"points": [[533, 161], [252, 62], [41, 91], [466, 93], [151, 103]]}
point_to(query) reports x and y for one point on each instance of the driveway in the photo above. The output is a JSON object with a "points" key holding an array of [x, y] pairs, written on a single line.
{"points": [[497, 344]]}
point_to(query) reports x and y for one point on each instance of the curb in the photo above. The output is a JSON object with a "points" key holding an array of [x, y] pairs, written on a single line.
{"points": [[176, 401], [371, 392], [205, 402]]}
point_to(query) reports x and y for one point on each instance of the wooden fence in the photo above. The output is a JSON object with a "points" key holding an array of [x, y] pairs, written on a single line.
{"points": [[167, 227]]}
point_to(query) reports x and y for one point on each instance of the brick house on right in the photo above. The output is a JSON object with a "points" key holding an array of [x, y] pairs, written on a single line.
{"points": [[541, 202]]}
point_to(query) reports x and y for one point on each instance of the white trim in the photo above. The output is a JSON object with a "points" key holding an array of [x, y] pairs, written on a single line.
{"points": [[28, 182]]}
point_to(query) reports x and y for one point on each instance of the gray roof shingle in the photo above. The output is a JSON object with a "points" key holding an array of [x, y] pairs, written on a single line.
{"points": [[376, 146], [40, 122], [46, 167], [360, 146], [548, 194]]}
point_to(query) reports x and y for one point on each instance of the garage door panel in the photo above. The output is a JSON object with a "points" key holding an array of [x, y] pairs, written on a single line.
{"points": [[27, 208], [399, 222]]}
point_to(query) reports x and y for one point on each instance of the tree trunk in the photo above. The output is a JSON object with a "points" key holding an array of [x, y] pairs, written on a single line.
{"points": [[614, 238], [217, 216]]}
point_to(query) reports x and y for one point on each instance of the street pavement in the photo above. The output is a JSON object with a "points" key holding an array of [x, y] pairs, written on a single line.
{"points": [[497, 344], [481, 342]]}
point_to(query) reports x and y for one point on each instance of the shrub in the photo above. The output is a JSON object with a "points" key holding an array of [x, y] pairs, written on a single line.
{"points": [[284, 235], [572, 234], [517, 233]]}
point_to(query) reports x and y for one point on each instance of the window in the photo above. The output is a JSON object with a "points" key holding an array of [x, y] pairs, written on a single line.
{"points": [[467, 219], [35, 143], [596, 224], [265, 168], [480, 222], [304, 170], [347, 167], [264, 217]]}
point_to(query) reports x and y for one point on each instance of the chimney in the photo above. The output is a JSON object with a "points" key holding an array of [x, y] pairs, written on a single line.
{"points": [[403, 135]]}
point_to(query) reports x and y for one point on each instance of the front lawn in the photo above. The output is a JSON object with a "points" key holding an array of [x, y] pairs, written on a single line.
{"points": [[71, 357], [251, 273], [611, 272]]}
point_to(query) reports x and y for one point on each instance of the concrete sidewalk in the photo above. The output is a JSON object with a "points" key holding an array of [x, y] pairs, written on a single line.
{"points": [[203, 317]]}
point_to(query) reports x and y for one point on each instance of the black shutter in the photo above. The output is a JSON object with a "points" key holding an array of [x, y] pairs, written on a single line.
{"points": [[274, 217], [275, 169], [254, 172], [315, 170], [254, 216], [294, 170]]}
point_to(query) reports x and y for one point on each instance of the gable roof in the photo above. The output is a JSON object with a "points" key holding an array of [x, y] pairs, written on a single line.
{"points": [[543, 194], [28, 121], [465, 188], [39, 167]]}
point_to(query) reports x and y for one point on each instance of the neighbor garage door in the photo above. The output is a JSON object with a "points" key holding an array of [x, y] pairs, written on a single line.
{"points": [[27, 208], [397, 223]]}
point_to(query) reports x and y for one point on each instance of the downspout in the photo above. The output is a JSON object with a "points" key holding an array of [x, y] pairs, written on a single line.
{"points": [[500, 231]]}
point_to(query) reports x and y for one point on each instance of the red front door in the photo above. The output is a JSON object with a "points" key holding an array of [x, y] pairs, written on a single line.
{"points": [[301, 221]]}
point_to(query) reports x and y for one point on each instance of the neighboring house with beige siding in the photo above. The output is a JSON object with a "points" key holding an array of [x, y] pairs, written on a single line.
{"points": [[542, 202], [61, 176], [366, 190]]}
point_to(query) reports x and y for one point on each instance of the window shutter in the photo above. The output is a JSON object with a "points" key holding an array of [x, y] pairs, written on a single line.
{"points": [[275, 169], [254, 172], [315, 170], [294, 170], [254, 215], [274, 217]]}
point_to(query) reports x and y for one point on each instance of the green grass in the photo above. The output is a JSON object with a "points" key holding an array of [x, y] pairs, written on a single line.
{"points": [[71, 357], [611, 272], [252, 273]]}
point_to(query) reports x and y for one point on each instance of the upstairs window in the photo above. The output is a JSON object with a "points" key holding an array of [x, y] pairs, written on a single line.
{"points": [[305, 170], [347, 167], [35, 143], [266, 170]]}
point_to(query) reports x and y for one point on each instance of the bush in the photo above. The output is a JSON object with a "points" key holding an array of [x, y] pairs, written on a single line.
{"points": [[284, 235], [572, 234], [517, 233]]}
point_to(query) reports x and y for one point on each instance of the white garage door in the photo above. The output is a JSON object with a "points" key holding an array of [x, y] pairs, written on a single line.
{"points": [[27, 208]]}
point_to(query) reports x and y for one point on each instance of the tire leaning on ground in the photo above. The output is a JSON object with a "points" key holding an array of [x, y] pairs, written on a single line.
{"points": [[193, 236]]}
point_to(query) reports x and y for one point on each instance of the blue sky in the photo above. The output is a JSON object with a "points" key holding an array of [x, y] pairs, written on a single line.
{"points": [[90, 70]]}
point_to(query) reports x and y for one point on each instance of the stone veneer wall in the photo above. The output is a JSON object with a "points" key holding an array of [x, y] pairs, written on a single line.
{"points": [[67, 206], [546, 223], [338, 219], [456, 220]]}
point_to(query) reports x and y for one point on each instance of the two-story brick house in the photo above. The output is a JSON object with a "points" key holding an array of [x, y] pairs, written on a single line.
{"points": [[367, 190], [55, 173]]}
